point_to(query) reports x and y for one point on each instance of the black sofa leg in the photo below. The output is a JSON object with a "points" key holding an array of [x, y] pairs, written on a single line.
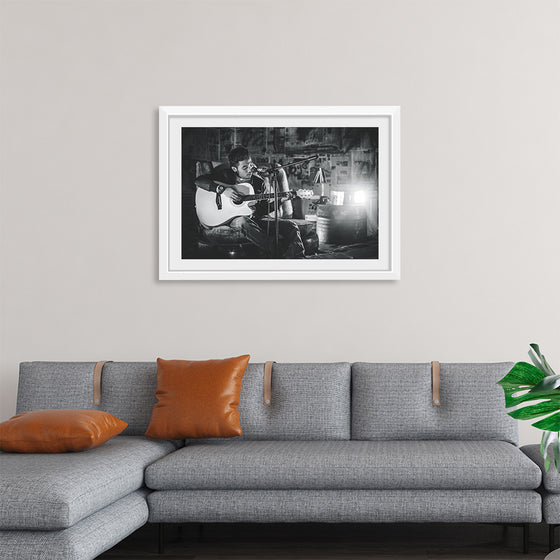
{"points": [[161, 538], [525, 538], [551, 544]]}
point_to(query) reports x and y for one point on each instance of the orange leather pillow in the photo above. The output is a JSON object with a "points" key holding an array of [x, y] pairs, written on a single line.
{"points": [[197, 399], [58, 431]]}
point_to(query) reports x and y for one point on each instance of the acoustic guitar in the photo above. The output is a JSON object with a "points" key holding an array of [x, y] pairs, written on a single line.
{"points": [[211, 216]]}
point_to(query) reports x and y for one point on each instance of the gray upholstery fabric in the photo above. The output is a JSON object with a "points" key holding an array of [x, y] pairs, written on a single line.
{"points": [[45, 385], [394, 401], [551, 508], [345, 465], [54, 491], [368, 506], [309, 402], [550, 489], [551, 479], [83, 541], [128, 390]]}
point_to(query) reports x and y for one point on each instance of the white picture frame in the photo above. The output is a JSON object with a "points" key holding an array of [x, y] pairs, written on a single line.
{"points": [[172, 119]]}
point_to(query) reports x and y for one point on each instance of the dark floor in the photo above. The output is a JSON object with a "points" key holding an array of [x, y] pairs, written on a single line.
{"points": [[365, 250], [330, 542]]}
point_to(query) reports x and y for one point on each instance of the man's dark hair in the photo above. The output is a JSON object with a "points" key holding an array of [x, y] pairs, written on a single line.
{"points": [[240, 153]]}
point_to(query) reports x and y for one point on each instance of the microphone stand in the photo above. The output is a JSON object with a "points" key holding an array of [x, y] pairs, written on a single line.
{"points": [[270, 169], [274, 184]]}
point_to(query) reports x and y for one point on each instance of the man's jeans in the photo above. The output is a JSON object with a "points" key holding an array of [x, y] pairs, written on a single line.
{"points": [[261, 233]]}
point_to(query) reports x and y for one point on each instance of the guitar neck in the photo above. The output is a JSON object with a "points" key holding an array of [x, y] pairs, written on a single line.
{"points": [[264, 196], [260, 196]]}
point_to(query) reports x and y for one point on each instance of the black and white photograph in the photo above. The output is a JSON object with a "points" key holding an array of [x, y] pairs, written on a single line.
{"points": [[265, 191], [279, 193]]}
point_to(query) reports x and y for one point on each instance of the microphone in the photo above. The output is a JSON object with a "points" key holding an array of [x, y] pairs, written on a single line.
{"points": [[260, 169]]}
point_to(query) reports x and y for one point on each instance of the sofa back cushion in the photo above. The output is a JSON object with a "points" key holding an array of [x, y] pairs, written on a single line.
{"points": [[127, 389], [394, 402], [45, 385], [309, 401]]}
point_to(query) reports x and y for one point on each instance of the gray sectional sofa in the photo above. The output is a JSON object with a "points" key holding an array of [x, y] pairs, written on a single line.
{"points": [[340, 442]]}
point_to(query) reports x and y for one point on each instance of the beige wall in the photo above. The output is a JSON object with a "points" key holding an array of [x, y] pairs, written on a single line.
{"points": [[479, 88]]}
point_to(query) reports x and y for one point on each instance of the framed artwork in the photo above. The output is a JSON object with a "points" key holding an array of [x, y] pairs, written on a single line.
{"points": [[279, 193]]}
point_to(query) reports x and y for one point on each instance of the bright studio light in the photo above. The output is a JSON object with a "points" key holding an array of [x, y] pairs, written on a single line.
{"points": [[360, 197]]}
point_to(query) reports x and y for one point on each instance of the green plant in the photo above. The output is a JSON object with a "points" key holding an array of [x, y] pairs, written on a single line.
{"points": [[526, 383]]}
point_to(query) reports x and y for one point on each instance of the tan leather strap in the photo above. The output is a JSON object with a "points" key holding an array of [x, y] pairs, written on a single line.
{"points": [[97, 381], [268, 383], [435, 383]]}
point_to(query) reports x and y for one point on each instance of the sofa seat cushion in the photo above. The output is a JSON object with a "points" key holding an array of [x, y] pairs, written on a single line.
{"points": [[285, 465], [550, 478], [85, 540], [54, 491]]}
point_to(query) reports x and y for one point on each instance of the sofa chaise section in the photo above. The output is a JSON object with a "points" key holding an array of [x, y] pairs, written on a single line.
{"points": [[74, 506], [83, 541], [44, 491]]}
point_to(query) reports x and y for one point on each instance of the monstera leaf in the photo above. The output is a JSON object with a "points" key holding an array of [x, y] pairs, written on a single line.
{"points": [[526, 383]]}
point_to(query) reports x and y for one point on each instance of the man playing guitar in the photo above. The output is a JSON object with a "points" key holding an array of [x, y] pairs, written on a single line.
{"points": [[258, 229]]}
